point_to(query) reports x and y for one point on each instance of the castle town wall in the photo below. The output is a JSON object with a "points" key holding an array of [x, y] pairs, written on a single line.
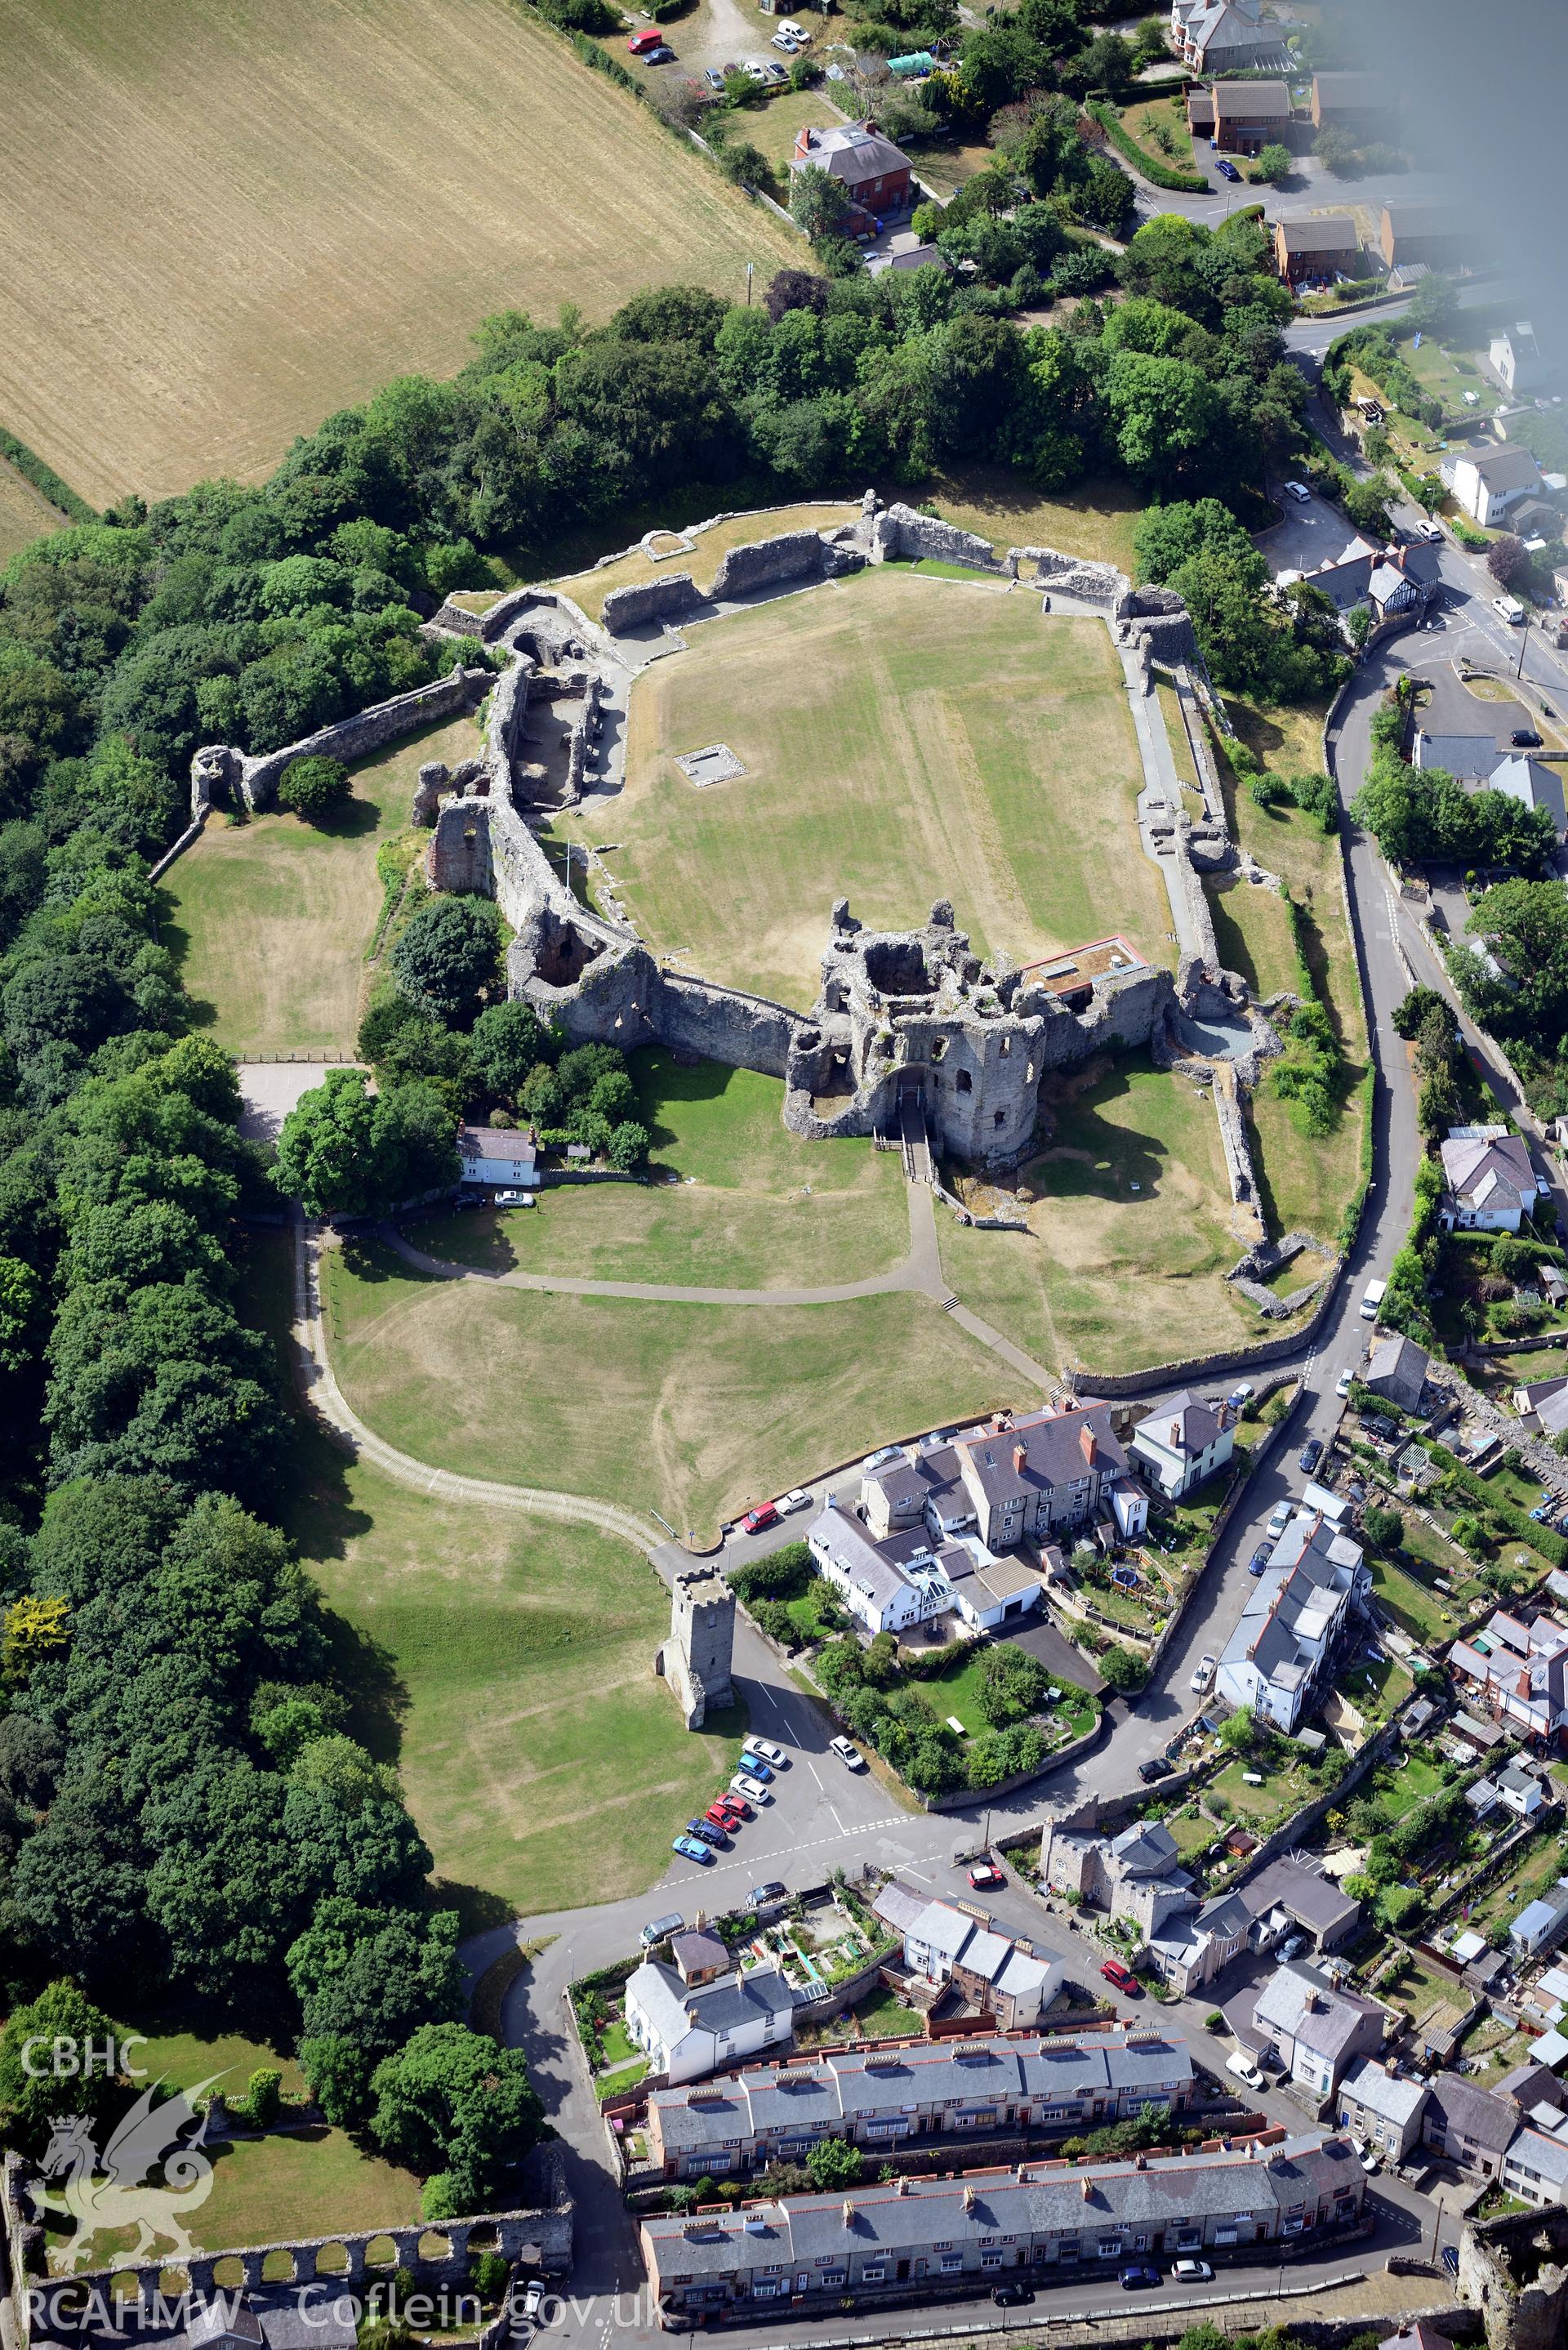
{"points": [[671, 593], [791, 554], [367, 731], [900, 532]]}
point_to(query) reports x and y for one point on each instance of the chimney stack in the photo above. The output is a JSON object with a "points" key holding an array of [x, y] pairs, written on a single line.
{"points": [[1176, 1432], [1020, 1458], [1090, 1450]]}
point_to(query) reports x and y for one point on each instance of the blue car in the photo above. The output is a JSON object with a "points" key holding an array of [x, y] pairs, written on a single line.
{"points": [[1139, 2274], [1259, 1558], [1228, 170], [706, 1833], [690, 1849], [755, 1767]]}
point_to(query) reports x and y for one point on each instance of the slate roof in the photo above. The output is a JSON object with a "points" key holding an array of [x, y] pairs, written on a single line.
{"points": [[1304, 2005], [721, 2006], [1196, 1426], [1330, 232], [1383, 2093], [514, 1142], [1252, 101], [1053, 1454], [1472, 758], [1532, 784], [1495, 1175], [852, 153], [917, 2212], [1505, 469], [1312, 1900], [1472, 2113], [697, 1951]]}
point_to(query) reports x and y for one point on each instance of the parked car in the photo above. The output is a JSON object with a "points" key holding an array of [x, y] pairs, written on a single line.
{"points": [[1310, 1455], [774, 72], [1191, 2273], [879, 1459], [736, 1806], [1377, 1423], [756, 68], [1290, 1948], [768, 1750], [714, 79], [796, 32], [1509, 609], [752, 1789], [1203, 1676], [1371, 2160], [756, 1521], [690, 1849], [1123, 1977], [847, 1751], [790, 1502], [1259, 1558], [1012, 2296], [662, 55], [1139, 2275], [534, 2293], [1241, 2067], [650, 39], [658, 1929], [1525, 738], [525, 1199], [1156, 1767], [721, 1815], [1344, 1384], [755, 1767], [782, 41], [985, 1877], [1429, 533], [708, 1832], [760, 1895], [1227, 171], [1449, 2256], [1240, 1397], [1300, 492]]}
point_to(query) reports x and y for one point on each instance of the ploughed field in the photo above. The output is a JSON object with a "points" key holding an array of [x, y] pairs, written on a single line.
{"points": [[905, 738], [222, 224]]}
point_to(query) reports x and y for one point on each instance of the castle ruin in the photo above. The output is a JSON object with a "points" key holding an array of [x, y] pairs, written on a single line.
{"points": [[696, 1658]]}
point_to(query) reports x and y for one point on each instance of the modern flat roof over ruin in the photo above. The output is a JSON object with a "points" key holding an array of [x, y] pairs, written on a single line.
{"points": [[1063, 972]]}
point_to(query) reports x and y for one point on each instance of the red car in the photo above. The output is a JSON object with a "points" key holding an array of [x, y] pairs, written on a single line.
{"points": [[986, 1875], [1125, 1982], [735, 1807], [756, 1521], [722, 1815]]}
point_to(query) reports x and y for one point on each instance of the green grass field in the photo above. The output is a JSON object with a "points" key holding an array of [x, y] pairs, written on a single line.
{"points": [[271, 919], [755, 1208], [1110, 1275], [504, 1664], [25, 512], [1305, 1183], [905, 738], [1146, 116], [289, 2185]]}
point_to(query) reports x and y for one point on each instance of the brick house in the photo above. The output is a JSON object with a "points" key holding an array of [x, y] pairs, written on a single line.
{"points": [[875, 174], [1322, 247], [1248, 115]]}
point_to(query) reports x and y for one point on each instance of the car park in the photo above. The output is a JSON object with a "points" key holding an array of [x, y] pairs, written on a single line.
{"points": [[985, 1877], [658, 1929], [690, 1849], [847, 1751], [706, 1833], [790, 1502], [1310, 1455], [1156, 1767], [755, 1767], [1203, 1675], [761, 1894], [1139, 2275], [758, 1521], [1344, 1384], [752, 1789], [1299, 490], [768, 1750], [1191, 2273]]}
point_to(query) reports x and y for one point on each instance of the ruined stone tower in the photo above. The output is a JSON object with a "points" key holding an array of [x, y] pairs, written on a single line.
{"points": [[695, 1660]]}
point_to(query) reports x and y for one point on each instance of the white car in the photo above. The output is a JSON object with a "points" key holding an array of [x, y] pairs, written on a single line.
{"points": [[796, 32], [1299, 490], [783, 41], [1429, 533], [515, 1199], [768, 1752], [847, 1751], [1243, 2069], [1203, 1678], [756, 68], [1344, 1384], [1279, 1519], [1191, 2273], [752, 1789], [1371, 2160], [790, 1502]]}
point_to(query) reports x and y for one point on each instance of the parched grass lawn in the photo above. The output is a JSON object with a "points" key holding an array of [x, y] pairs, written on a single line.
{"points": [[905, 738], [694, 1410], [1109, 1276], [25, 512], [1536, 1363], [1260, 1809], [587, 590], [1141, 119], [883, 2017], [1096, 517], [363, 186], [755, 1207], [944, 164], [1536, 1868], [505, 1665], [185, 2055], [1181, 748], [1416, 1989], [289, 2185], [271, 919], [1306, 1182], [1424, 1614]]}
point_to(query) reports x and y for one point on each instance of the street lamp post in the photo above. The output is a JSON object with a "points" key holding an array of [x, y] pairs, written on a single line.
{"points": [[1523, 639]]}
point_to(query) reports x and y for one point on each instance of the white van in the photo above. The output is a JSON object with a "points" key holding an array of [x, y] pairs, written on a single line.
{"points": [[1372, 1298], [1241, 2065], [1509, 609]]}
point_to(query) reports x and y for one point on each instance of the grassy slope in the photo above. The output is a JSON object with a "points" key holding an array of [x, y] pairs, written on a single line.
{"points": [[757, 1208], [271, 919], [904, 738], [1109, 1277], [1306, 1183], [25, 512], [693, 1411], [506, 1665], [270, 211]]}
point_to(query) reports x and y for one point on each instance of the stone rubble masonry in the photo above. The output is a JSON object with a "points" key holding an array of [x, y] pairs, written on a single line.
{"points": [[1515, 2271], [911, 537], [672, 593], [792, 555], [218, 772], [453, 620]]}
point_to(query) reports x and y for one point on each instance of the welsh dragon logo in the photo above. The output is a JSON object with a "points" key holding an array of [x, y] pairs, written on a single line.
{"points": [[112, 2190]]}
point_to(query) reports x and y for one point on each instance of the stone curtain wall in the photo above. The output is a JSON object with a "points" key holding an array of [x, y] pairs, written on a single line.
{"points": [[651, 600], [898, 531], [216, 767]]}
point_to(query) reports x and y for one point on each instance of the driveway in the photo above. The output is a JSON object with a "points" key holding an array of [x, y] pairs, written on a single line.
{"points": [[1451, 708], [1311, 534]]}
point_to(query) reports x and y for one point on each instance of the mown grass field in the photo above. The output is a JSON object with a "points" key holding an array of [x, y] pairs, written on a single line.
{"points": [[222, 224], [289, 2185], [25, 512], [271, 919], [905, 738], [1112, 1276], [752, 1206], [505, 1665], [1305, 1183], [696, 1411]]}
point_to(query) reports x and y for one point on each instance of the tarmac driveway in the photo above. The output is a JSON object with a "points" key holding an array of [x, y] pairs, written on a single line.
{"points": [[1311, 534]]}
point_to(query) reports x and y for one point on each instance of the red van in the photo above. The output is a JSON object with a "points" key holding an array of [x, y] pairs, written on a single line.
{"points": [[651, 39], [1123, 1977]]}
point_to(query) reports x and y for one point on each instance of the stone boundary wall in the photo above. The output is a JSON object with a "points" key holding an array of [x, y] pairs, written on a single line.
{"points": [[257, 778], [792, 555], [1111, 1384], [454, 620], [671, 593], [898, 531]]}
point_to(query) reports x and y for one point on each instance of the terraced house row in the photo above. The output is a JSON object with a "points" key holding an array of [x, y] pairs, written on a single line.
{"points": [[1043, 2216], [881, 2096]]}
